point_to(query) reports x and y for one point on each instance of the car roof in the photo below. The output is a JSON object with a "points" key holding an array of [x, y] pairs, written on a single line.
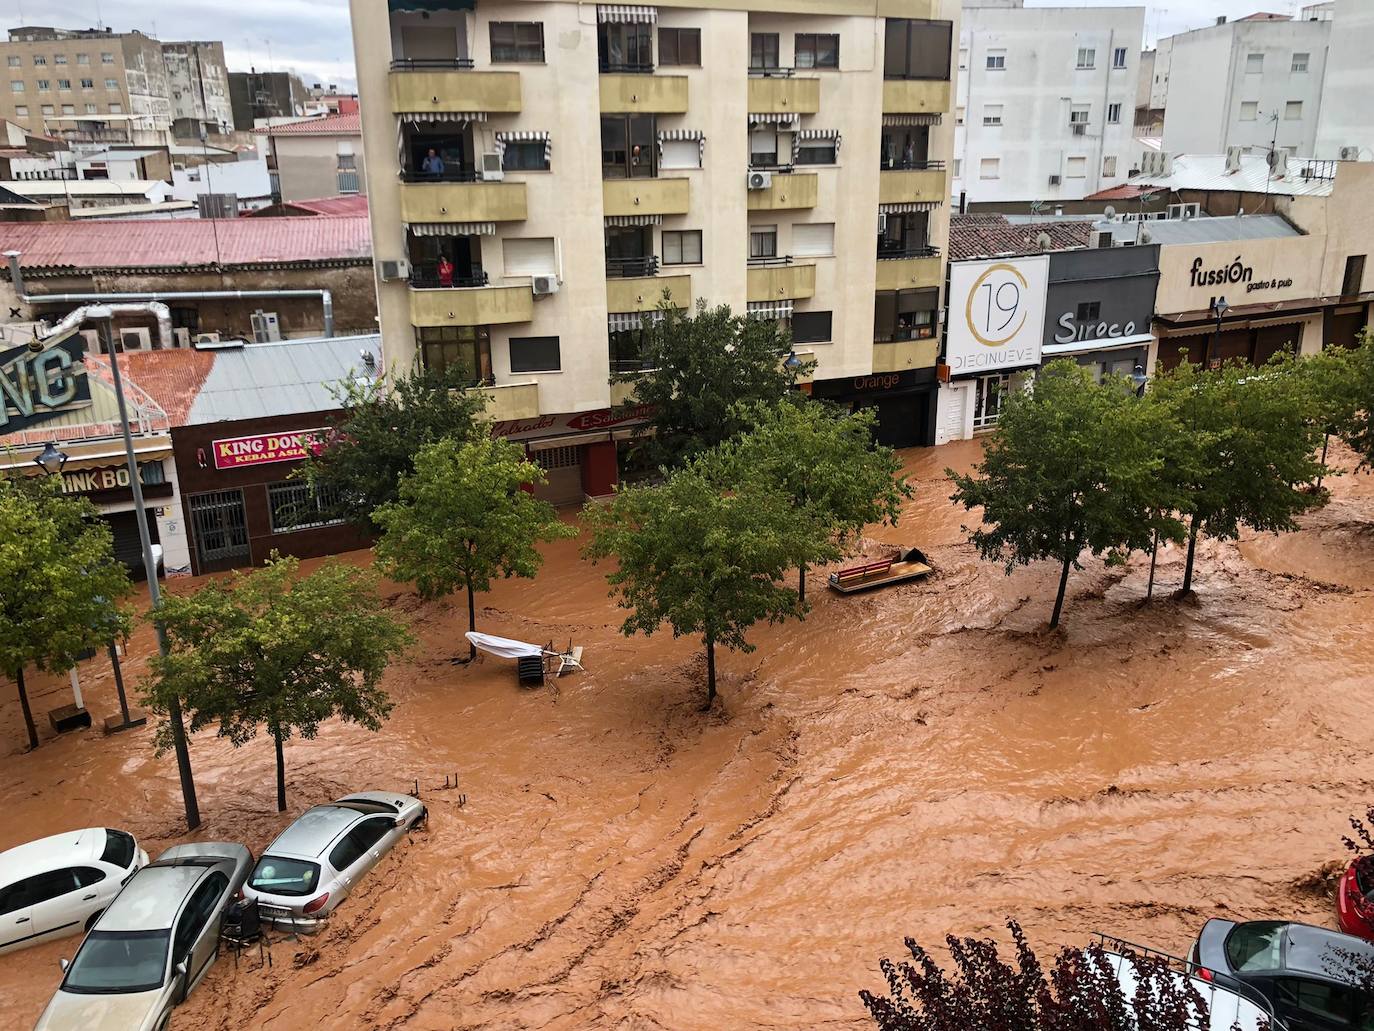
{"points": [[1327, 954], [51, 853], [154, 896], [311, 833]]}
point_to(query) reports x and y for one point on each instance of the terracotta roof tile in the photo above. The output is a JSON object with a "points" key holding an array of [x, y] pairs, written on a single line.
{"points": [[329, 125], [985, 235]]}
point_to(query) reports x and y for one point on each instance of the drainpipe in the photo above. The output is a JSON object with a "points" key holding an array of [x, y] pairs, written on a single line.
{"points": [[17, 277]]}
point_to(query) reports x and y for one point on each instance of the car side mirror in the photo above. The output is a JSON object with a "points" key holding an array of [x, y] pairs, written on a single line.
{"points": [[64, 964], [182, 968]]}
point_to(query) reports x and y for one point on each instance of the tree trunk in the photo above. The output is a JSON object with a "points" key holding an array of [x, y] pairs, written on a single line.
{"points": [[1188, 566], [1063, 584], [801, 584], [28, 713], [281, 773], [1326, 443], [710, 674]]}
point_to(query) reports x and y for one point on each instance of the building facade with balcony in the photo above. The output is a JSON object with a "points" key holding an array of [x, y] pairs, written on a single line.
{"points": [[542, 175]]}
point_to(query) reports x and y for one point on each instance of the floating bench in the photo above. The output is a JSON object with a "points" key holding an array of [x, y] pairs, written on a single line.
{"points": [[911, 565]]}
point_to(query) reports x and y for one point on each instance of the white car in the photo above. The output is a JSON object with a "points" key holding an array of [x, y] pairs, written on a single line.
{"points": [[58, 886], [316, 861]]}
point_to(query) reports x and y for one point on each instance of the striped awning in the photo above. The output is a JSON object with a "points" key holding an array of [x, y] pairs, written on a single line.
{"points": [[931, 119], [526, 136], [770, 309], [634, 220], [666, 135], [782, 119], [452, 228], [814, 134], [442, 116], [619, 321], [625, 13], [905, 206]]}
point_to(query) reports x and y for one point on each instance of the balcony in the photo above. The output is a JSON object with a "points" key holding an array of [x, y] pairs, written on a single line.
{"points": [[786, 192], [476, 306], [646, 196], [631, 268], [644, 293], [511, 401], [421, 86], [915, 96], [903, 271], [905, 187], [916, 164], [906, 354], [627, 93], [780, 283], [785, 95], [440, 201], [428, 277]]}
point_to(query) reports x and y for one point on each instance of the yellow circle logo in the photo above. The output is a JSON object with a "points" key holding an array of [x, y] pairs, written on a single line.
{"points": [[998, 300]]}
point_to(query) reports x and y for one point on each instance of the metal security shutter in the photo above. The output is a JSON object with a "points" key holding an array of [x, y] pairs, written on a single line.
{"points": [[562, 466], [220, 528]]}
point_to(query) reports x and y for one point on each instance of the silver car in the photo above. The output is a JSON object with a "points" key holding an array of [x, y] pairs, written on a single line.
{"points": [[315, 862], [153, 944]]}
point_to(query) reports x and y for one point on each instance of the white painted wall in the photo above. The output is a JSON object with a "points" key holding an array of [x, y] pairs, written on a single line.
{"points": [[1347, 117], [248, 179]]}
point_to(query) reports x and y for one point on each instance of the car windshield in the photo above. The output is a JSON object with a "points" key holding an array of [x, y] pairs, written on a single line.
{"points": [[119, 849], [1256, 946], [118, 961], [277, 876]]}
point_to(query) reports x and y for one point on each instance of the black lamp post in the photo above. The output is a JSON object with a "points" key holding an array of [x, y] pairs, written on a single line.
{"points": [[792, 361], [51, 460], [1139, 379], [1219, 309]]}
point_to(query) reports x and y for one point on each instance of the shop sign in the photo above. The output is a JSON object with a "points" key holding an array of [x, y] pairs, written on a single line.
{"points": [[109, 477], [996, 314], [36, 386], [1071, 331], [266, 448], [582, 422], [1233, 274]]}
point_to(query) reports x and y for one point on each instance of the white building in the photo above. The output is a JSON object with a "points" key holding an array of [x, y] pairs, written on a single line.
{"points": [[1345, 128], [1255, 82]]}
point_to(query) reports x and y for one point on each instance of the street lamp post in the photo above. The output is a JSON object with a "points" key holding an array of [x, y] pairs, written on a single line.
{"points": [[1140, 380], [1219, 308]]}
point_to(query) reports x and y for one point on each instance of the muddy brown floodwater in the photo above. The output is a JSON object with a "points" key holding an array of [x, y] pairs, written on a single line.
{"points": [[914, 761]]}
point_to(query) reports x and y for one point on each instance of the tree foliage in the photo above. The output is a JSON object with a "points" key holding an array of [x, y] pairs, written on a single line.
{"points": [[464, 517], [703, 557], [825, 461], [275, 650], [1080, 992], [384, 425], [1075, 465], [705, 370], [1341, 384], [59, 582]]}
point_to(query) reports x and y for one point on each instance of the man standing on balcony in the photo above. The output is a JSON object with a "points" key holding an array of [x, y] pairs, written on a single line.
{"points": [[433, 164]]}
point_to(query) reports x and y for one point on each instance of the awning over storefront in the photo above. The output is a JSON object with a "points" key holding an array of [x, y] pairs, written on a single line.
{"points": [[625, 14], [527, 136], [452, 228], [634, 220]]}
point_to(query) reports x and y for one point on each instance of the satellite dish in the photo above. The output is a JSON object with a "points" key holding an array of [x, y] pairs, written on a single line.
{"points": [[1043, 241], [1144, 237], [1109, 212]]}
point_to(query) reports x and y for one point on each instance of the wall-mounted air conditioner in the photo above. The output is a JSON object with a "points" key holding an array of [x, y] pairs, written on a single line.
{"points": [[207, 338], [399, 269], [1350, 153], [544, 285], [181, 337], [266, 326], [491, 167], [760, 180]]}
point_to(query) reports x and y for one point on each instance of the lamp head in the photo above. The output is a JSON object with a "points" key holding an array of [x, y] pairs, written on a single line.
{"points": [[50, 459]]}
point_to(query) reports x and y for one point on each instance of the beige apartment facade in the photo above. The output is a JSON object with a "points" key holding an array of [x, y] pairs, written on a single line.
{"points": [[316, 157], [541, 174]]}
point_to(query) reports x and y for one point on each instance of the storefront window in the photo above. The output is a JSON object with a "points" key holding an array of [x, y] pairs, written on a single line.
{"points": [[467, 347], [293, 505], [990, 394]]}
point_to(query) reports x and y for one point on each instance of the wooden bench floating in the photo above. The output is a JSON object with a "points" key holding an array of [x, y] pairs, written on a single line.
{"points": [[910, 565]]}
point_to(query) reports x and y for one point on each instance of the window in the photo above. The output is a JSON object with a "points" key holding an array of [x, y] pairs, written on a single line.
{"points": [[517, 41], [14, 61], [64, 84], [813, 239], [997, 61], [529, 256], [69, 109], [59, 59], [963, 59], [278, 876], [992, 114], [680, 154], [43, 85], [763, 148], [627, 146], [1109, 166], [1254, 64], [293, 505], [369, 832], [1087, 58], [816, 50], [88, 84], [679, 47], [16, 85], [45, 887], [1255, 946], [1249, 110], [112, 84], [1076, 168], [106, 58], [21, 111], [348, 182], [464, 347], [904, 235], [1292, 111], [627, 347], [1119, 57], [83, 58], [1353, 283], [119, 847], [39, 60], [348, 162], [989, 395], [1113, 114], [118, 109], [534, 354], [763, 241], [958, 168], [990, 168], [1089, 311], [917, 49], [625, 46], [1079, 114], [904, 314], [90, 109], [810, 327], [763, 50], [959, 116], [682, 247], [817, 152], [47, 109], [525, 156], [197, 914], [1300, 63], [88, 875], [1335, 1005]]}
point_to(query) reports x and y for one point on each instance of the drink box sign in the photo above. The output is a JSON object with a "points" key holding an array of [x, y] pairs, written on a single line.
{"points": [[265, 448], [996, 314]]}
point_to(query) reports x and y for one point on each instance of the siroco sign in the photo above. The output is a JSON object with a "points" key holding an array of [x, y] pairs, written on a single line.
{"points": [[240, 452], [996, 314], [39, 385]]}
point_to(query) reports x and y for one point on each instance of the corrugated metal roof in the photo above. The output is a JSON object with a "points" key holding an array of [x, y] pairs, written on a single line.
{"points": [[83, 187], [1208, 172], [329, 125], [1215, 230]]}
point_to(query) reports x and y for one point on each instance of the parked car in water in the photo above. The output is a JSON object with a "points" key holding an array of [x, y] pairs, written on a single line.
{"points": [[317, 861], [57, 886], [1355, 901], [153, 945], [1316, 979]]}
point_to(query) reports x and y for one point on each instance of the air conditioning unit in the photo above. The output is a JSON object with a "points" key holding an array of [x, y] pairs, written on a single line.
{"points": [[266, 326], [92, 338], [760, 180], [1054, 180], [1079, 128], [544, 285], [138, 339], [882, 222], [491, 167], [1099, 238], [181, 337], [207, 338], [399, 269], [1350, 153], [1193, 210]]}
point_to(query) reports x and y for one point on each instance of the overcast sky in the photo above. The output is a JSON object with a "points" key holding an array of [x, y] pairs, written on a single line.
{"points": [[311, 37]]}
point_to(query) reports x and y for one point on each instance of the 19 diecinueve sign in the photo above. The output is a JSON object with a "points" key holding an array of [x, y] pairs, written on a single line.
{"points": [[996, 314], [39, 385], [265, 448]]}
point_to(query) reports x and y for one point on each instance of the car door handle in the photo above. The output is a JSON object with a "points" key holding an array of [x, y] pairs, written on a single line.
{"points": [[87, 898], [22, 920]]}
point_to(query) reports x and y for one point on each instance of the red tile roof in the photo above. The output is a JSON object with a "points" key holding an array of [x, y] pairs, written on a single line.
{"points": [[184, 243], [353, 204], [329, 125], [1124, 192], [988, 235], [171, 378]]}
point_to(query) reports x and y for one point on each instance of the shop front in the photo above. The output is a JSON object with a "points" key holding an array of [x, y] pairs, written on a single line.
{"points": [[582, 453], [1099, 306], [904, 403]]}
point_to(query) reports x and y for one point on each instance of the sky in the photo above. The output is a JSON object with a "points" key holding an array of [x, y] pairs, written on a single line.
{"points": [[311, 37]]}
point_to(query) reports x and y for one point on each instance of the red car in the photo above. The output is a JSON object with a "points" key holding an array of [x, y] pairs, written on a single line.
{"points": [[1355, 900]]}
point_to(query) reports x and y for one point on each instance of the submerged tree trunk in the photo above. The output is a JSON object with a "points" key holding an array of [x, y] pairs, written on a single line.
{"points": [[1063, 585], [472, 622], [281, 772], [801, 584], [28, 713], [1188, 566], [710, 673]]}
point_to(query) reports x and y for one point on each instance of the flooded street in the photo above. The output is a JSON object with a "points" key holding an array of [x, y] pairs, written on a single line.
{"points": [[913, 761]]}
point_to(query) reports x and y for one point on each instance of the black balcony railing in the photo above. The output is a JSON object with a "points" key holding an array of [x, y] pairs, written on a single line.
{"points": [[426, 277], [450, 174], [886, 251], [764, 165], [631, 67], [912, 164], [771, 72], [770, 261], [424, 64], [624, 268]]}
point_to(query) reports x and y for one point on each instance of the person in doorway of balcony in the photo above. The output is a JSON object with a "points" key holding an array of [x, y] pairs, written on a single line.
{"points": [[909, 154], [433, 164], [445, 271]]}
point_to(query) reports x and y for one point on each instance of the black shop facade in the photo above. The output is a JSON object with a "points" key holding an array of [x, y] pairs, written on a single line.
{"points": [[1098, 308], [904, 403]]}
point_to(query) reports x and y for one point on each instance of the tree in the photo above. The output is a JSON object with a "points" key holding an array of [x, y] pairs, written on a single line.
{"points": [[1248, 445], [825, 461], [273, 649], [704, 559], [1074, 465], [58, 582], [464, 517], [1082, 992], [1341, 384], [703, 370], [385, 424]]}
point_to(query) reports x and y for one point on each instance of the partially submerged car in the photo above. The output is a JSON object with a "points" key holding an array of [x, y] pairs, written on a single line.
{"points": [[1355, 900], [316, 862]]}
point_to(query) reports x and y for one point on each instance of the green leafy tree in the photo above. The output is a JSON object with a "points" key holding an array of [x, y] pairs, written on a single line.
{"points": [[703, 371], [465, 517], [825, 461], [58, 582], [1248, 445], [1074, 466], [384, 425], [702, 559], [275, 650], [1341, 382]]}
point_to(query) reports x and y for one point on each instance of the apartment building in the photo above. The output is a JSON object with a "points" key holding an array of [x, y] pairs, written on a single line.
{"points": [[1254, 82], [1345, 126], [199, 83], [258, 96], [542, 174], [315, 157], [1046, 101]]}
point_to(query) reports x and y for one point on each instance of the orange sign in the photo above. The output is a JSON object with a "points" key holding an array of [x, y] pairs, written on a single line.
{"points": [[288, 446]]}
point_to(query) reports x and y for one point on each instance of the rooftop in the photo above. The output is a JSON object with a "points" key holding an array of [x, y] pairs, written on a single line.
{"points": [[982, 235], [1205, 230], [1204, 172], [353, 204], [83, 187], [329, 125]]}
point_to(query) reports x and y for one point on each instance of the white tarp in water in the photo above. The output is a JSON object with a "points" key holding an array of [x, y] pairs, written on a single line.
{"points": [[503, 647]]}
